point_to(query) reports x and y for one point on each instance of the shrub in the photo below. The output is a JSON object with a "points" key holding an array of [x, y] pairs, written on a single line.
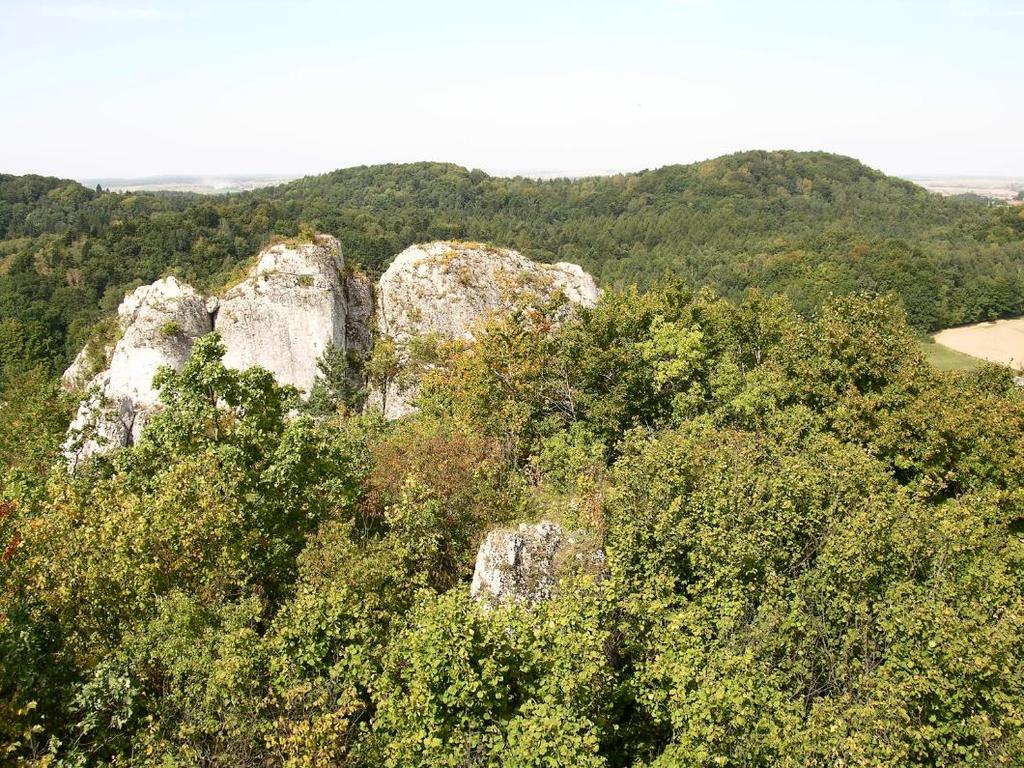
{"points": [[170, 329]]}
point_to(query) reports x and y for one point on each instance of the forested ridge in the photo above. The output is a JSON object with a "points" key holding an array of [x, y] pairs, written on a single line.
{"points": [[803, 224]]}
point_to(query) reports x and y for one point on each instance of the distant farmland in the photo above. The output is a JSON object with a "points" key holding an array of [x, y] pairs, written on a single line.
{"points": [[1001, 341], [996, 188]]}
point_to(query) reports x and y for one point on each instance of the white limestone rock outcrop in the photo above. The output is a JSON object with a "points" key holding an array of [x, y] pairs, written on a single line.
{"points": [[525, 564], [84, 367], [286, 312], [103, 422], [447, 288], [159, 323], [294, 303]]}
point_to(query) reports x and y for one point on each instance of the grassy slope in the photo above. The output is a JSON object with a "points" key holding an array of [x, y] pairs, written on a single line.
{"points": [[946, 359]]}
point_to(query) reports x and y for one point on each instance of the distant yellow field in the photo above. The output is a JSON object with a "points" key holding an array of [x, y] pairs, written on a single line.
{"points": [[1000, 342]]}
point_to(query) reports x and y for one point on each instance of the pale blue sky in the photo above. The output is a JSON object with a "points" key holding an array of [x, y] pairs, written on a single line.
{"points": [[139, 87]]}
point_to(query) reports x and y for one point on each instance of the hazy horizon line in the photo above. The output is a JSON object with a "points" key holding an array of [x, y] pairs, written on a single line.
{"points": [[538, 173]]}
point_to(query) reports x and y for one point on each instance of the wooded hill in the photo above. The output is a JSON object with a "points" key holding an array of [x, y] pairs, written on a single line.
{"points": [[803, 224]]}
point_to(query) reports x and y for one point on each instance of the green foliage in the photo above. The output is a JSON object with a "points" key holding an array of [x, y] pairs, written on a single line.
{"points": [[170, 329], [334, 387], [382, 368], [814, 540], [34, 415], [505, 688], [811, 594]]}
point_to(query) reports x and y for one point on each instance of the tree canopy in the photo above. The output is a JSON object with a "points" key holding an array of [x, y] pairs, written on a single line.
{"points": [[803, 224], [815, 544]]}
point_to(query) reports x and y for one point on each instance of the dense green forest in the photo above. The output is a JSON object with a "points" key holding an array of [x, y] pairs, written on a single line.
{"points": [[806, 225], [815, 548], [814, 538]]}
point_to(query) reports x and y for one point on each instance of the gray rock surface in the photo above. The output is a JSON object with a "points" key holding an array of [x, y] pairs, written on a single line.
{"points": [[447, 288], [159, 324], [281, 317], [525, 564], [286, 312]]}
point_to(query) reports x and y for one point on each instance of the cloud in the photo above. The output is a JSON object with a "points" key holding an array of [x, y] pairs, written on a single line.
{"points": [[109, 10]]}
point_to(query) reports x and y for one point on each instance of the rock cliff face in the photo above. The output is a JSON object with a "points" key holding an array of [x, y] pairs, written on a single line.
{"points": [[525, 564], [159, 324], [446, 288], [161, 321], [294, 303], [289, 309], [282, 316]]}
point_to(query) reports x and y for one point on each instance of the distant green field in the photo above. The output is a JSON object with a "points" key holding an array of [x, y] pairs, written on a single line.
{"points": [[946, 359]]}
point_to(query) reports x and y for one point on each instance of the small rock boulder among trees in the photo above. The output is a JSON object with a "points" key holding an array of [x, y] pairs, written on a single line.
{"points": [[525, 564]]}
